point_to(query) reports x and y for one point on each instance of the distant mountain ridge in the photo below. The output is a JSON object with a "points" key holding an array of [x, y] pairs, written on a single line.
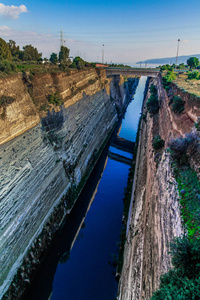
{"points": [[168, 60]]}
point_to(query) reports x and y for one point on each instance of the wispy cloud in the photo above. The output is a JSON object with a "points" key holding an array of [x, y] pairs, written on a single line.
{"points": [[12, 11]]}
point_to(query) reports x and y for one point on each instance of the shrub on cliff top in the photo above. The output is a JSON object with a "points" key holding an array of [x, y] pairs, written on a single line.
{"points": [[5, 100], [193, 75], [158, 143], [169, 77], [152, 103], [177, 104], [55, 99], [182, 282], [179, 146], [7, 66]]}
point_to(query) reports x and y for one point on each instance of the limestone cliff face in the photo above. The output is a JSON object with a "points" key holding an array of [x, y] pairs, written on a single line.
{"points": [[119, 91], [43, 153], [21, 114], [154, 217]]}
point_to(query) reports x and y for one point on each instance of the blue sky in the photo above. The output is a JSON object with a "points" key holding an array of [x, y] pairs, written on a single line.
{"points": [[130, 30]]}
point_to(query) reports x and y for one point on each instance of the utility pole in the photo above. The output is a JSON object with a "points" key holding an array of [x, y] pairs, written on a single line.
{"points": [[177, 52], [61, 39], [103, 54]]}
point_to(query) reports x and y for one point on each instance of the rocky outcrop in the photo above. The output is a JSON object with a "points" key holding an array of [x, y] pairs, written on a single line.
{"points": [[45, 150], [154, 217]]}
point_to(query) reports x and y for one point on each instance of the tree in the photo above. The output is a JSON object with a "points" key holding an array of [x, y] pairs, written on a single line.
{"points": [[13, 48], [193, 62], [31, 53], [63, 54], [53, 58], [4, 50]]}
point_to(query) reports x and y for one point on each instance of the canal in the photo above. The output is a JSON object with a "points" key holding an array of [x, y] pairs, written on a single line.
{"points": [[79, 266]]}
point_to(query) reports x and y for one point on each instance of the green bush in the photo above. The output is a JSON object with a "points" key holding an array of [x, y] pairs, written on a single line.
{"points": [[7, 66], [177, 104], [55, 99], [169, 77], [179, 147], [166, 67], [175, 287], [186, 256], [193, 75], [182, 282], [189, 190], [5, 100], [92, 81], [152, 103], [158, 143]]}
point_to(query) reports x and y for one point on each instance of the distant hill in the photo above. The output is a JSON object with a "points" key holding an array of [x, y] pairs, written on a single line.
{"points": [[168, 60]]}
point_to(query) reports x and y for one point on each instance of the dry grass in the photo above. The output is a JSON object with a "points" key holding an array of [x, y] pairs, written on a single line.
{"points": [[191, 86]]}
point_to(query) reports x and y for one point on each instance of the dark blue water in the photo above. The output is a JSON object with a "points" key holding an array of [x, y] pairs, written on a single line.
{"points": [[78, 266]]}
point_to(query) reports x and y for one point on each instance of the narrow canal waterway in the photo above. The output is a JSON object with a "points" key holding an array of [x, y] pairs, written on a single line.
{"points": [[79, 265]]}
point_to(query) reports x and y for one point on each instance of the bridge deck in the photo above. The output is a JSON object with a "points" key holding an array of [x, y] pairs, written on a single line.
{"points": [[120, 158], [123, 144], [132, 71]]}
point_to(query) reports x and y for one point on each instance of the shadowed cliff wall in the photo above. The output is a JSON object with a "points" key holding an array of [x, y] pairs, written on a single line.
{"points": [[45, 150]]}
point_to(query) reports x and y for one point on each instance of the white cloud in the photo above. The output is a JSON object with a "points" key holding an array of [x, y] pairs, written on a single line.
{"points": [[12, 11]]}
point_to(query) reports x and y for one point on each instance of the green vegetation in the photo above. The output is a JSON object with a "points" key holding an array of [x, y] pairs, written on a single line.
{"points": [[188, 184], [181, 66], [53, 58], [177, 104], [7, 66], [158, 143], [182, 282], [197, 124], [119, 66], [5, 100], [5, 53], [152, 103], [12, 59], [167, 79], [79, 63], [189, 191], [193, 75], [55, 99], [92, 81], [166, 67], [193, 62], [63, 56], [30, 54], [179, 147]]}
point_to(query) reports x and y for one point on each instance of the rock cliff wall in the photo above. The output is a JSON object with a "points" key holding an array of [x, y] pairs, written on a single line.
{"points": [[45, 150], [154, 217]]}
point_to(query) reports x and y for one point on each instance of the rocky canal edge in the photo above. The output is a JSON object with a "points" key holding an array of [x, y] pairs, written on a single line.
{"points": [[41, 244]]}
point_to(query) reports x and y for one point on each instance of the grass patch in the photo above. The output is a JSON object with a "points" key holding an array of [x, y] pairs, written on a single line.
{"points": [[55, 99], [189, 191], [183, 281]]}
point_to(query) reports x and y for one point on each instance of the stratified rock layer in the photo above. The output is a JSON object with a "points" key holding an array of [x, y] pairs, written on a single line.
{"points": [[154, 218], [43, 153]]}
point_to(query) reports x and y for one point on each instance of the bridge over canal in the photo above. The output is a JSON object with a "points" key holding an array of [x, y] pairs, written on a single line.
{"points": [[132, 71]]}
